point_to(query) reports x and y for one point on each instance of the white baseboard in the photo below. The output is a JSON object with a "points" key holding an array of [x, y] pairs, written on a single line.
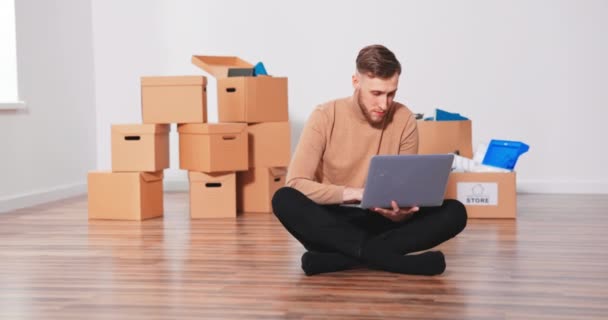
{"points": [[13, 106], [562, 186], [41, 196]]}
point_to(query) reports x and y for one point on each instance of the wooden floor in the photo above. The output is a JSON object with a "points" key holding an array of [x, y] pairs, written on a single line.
{"points": [[552, 263]]}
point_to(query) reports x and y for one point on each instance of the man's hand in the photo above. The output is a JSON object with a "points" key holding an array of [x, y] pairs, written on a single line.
{"points": [[352, 195], [396, 214]]}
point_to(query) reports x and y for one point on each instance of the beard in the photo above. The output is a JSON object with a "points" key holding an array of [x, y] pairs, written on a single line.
{"points": [[373, 122]]}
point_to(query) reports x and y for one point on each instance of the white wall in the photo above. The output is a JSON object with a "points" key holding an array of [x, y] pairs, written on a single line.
{"points": [[521, 70], [48, 149]]}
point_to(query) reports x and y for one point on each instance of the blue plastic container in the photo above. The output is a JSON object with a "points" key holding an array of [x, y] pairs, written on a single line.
{"points": [[504, 153]]}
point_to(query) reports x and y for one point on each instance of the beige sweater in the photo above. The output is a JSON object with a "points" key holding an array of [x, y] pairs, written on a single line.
{"points": [[337, 144]]}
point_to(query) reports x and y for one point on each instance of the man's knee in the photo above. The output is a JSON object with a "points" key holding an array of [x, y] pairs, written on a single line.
{"points": [[283, 199], [456, 214]]}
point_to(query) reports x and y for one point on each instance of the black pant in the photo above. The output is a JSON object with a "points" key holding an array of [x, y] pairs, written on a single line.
{"points": [[348, 230]]}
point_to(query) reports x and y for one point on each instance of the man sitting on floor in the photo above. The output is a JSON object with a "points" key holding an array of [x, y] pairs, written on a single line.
{"points": [[329, 168]]}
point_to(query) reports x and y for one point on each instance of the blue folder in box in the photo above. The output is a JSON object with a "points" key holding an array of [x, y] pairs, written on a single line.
{"points": [[442, 115], [259, 70], [504, 153]]}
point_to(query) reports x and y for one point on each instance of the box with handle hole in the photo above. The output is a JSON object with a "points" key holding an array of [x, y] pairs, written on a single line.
{"points": [[212, 195], [216, 147], [247, 99], [140, 147]]}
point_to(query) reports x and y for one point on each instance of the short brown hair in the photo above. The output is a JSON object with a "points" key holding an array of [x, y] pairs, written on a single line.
{"points": [[378, 61]]}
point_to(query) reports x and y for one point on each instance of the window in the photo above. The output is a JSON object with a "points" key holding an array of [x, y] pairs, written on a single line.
{"points": [[9, 95]]}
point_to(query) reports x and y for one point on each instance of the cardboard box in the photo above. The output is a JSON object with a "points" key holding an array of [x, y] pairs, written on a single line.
{"points": [[269, 144], [125, 195], [140, 147], [245, 99], [181, 99], [256, 187], [485, 195], [217, 147], [445, 137], [212, 195]]}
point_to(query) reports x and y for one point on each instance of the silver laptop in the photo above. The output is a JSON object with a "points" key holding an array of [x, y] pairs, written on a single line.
{"points": [[410, 180]]}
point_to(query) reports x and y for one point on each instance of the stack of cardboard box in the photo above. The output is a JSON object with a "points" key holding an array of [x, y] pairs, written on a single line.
{"points": [[133, 190], [485, 194], [240, 160], [260, 105]]}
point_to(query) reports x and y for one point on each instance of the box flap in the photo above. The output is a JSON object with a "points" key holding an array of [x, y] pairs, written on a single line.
{"points": [[151, 176], [174, 81], [195, 176], [136, 129], [212, 128], [218, 66], [278, 171]]}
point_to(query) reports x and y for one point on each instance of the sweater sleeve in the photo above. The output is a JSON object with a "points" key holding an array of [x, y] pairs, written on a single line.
{"points": [[409, 137], [306, 159]]}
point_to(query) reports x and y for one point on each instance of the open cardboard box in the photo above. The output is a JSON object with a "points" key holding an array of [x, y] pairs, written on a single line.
{"points": [[484, 194], [445, 137], [245, 99]]}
